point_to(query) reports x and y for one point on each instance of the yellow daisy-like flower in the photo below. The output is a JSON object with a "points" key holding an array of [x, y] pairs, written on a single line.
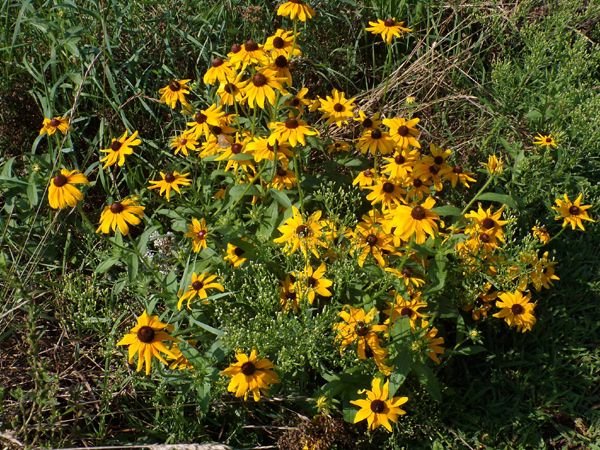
{"points": [[168, 181], [293, 131], [296, 234], [296, 9], [407, 308], [368, 122], [543, 273], [365, 179], [378, 409], [220, 71], [262, 150], [204, 120], [572, 213], [337, 108], [360, 327], [312, 282], [282, 43], [487, 222], [494, 165], [249, 53], [385, 192], [62, 192], [199, 288], [231, 92], [457, 175], [418, 221], [121, 215], [261, 87], [434, 345], [184, 143], [375, 141], [517, 310], [249, 374], [541, 234], [235, 255], [180, 362], [368, 240], [281, 66], [175, 92], [49, 126], [548, 140], [409, 276], [403, 132], [198, 232], [299, 101], [284, 178], [388, 29], [119, 148], [146, 340], [400, 165]]}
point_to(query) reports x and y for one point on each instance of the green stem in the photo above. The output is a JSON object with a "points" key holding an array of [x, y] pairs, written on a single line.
{"points": [[483, 188]]}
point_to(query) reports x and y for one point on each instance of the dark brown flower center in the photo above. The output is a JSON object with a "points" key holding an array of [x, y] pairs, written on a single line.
{"points": [[238, 251], [291, 123], [235, 48], [574, 210], [174, 86], [361, 328], [281, 172], [367, 123], [60, 180], [488, 223], [417, 183], [388, 187], [236, 148], [200, 118], [230, 88], [485, 238], [146, 334], [338, 107], [399, 159], [259, 80], [407, 272], [438, 160], [418, 213], [434, 170], [548, 140], [216, 130], [368, 351], [169, 177], [457, 169], [517, 309], [295, 102], [406, 312], [116, 208], [216, 62], [389, 22], [371, 240], [197, 285], [368, 173], [54, 123], [281, 62], [312, 282], [302, 231], [403, 130], [115, 145], [201, 234], [378, 406], [248, 368], [290, 295], [376, 134], [250, 46], [182, 141], [278, 42]]}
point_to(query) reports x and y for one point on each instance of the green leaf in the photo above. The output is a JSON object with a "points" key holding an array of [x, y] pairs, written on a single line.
{"points": [[500, 198], [133, 264], [281, 198], [350, 414], [429, 381], [471, 350], [447, 210], [107, 264]]}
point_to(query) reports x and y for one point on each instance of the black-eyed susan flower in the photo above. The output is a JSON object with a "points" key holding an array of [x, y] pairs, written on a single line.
{"points": [[288, 298], [179, 362], [541, 234], [293, 132], [49, 126], [62, 192], [250, 374], [375, 141], [543, 272], [494, 165], [434, 345], [417, 187], [120, 215], [402, 307], [219, 70], [284, 178], [204, 120], [184, 143], [198, 233], [231, 91], [296, 10], [262, 87], [365, 178], [146, 340], [368, 121], [338, 146], [249, 53], [547, 140], [262, 150], [306, 236], [235, 255], [168, 181], [487, 221], [119, 149], [403, 132], [400, 165], [336, 108], [418, 221], [388, 29], [411, 278], [312, 282], [572, 213], [379, 409], [517, 310], [199, 287], [457, 174], [358, 327], [282, 43], [386, 192], [175, 92], [299, 101], [369, 240]]}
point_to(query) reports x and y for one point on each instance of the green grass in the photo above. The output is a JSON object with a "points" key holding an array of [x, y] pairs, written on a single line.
{"points": [[487, 78]]}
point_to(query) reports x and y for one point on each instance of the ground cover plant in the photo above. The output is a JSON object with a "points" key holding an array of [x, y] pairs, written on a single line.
{"points": [[275, 224]]}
